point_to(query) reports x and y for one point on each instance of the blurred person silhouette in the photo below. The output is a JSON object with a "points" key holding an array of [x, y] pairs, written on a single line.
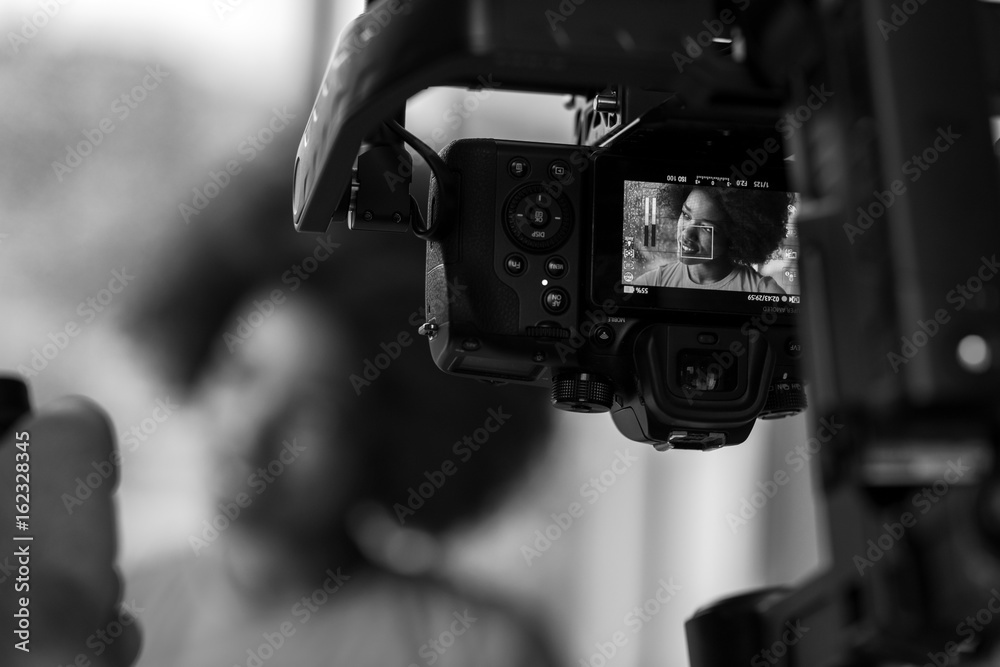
{"points": [[330, 538], [721, 234], [344, 456]]}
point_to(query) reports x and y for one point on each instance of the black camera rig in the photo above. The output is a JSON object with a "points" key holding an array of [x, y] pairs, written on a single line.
{"points": [[549, 242], [877, 111]]}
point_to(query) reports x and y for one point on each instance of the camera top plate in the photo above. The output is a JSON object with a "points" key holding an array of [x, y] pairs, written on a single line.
{"points": [[400, 47]]}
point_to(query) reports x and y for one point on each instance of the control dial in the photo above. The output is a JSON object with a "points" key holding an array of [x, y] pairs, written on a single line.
{"points": [[536, 220], [582, 392]]}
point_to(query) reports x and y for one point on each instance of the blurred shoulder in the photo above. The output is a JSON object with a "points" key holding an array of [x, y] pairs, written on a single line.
{"points": [[435, 622]]}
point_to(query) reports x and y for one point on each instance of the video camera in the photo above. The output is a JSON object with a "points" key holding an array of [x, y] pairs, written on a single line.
{"points": [[563, 249], [575, 264], [650, 270]]}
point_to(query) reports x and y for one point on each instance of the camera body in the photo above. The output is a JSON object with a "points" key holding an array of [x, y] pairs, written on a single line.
{"points": [[533, 276], [530, 287]]}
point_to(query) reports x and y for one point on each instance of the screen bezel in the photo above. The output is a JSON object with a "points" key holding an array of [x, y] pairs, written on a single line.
{"points": [[610, 174]]}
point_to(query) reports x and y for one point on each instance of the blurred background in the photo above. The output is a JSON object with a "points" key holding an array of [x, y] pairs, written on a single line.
{"points": [[117, 119]]}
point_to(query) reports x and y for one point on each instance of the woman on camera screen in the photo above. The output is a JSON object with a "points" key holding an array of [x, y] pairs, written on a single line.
{"points": [[720, 235]]}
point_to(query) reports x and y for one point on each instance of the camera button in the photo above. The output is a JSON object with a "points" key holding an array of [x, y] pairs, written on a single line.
{"points": [[471, 344], [559, 170], [518, 167], [515, 264], [538, 216], [603, 335], [708, 338], [556, 267], [793, 347], [555, 300]]}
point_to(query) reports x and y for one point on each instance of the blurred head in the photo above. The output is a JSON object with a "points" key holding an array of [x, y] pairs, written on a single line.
{"points": [[280, 416], [298, 381], [331, 402]]}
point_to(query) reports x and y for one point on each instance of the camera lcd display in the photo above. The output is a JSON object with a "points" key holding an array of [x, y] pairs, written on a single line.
{"points": [[684, 236], [729, 239]]}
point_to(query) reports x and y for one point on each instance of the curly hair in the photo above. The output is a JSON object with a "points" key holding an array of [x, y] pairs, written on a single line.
{"points": [[756, 221], [415, 418]]}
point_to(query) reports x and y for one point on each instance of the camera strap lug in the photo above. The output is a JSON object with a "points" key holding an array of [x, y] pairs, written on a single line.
{"points": [[429, 329]]}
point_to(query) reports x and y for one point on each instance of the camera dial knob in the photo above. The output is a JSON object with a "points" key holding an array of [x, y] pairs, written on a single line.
{"points": [[582, 392]]}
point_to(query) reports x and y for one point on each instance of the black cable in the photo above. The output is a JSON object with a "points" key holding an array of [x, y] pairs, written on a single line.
{"points": [[445, 179]]}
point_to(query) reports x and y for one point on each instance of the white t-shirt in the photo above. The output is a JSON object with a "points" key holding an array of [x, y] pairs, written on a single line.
{"points": [[740, 279], [194, 614]]}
